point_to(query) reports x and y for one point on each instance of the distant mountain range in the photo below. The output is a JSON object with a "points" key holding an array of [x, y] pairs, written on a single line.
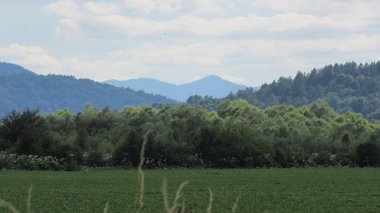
{"points": [[21, 88], [209, 86]]}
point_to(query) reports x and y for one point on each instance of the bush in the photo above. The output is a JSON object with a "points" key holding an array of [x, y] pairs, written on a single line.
{"points": [[345, 160], [280, 158], [96, 159], [29, 162], [368, 154]]}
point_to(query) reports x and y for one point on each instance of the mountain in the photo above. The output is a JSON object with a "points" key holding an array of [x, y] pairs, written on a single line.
{"points": [[21, 88], [209, 86], [11, 69], [345, 87]]}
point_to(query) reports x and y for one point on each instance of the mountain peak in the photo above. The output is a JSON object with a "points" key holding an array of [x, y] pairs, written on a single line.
{"points": [[213, 77], [211, 85], [10, 69]]}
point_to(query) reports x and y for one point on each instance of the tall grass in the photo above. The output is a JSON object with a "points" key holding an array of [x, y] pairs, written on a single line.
{"points": [[105, 210], [209, 208], [28, 201], [9, 206], [140, 177], [235, 206]]}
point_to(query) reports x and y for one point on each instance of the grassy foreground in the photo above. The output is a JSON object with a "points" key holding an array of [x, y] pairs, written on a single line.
{"points": [[262, 190]]}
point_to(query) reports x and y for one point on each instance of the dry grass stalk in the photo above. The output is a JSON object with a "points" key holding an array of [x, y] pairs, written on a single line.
{"points": [[165, 194], [183, 209], [9, 206], [141, 178], [209, 208], [234, 207], [178, 196], [175, 206], [105, 210], [28, 202]]}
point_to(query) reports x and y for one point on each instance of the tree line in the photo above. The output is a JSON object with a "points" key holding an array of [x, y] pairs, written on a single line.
{"points": [[345, 87], [236, 135]]}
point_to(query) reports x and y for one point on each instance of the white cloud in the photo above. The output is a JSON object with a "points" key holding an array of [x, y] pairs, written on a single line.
{"points": [[102, 8], [69, 29], [216, 27], [190, 54], [69, 14], [236, 79], [175, 6], [208, 7], [65, 9], [28, 56], [218, 57], [212, 36], [317, 7], [101, 16], [148, 6], [40, 61]]}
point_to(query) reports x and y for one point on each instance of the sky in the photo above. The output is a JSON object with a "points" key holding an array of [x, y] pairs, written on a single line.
{"points": [[250, 42]]}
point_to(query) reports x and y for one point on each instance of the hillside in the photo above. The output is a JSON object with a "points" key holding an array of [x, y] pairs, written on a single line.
{"points": [[21, 88], [346, 87], [209, 86]]}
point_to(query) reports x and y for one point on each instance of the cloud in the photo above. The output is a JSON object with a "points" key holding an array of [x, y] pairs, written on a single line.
{"points": [[40, 61], [100, 17], [148, 6], [321, 7], [262, 59], [195, 37], [189, 54], [28, 55], [69, 29], [235, 79], [65, 9], [102, 8], [176, 6], [69, 14], [218, 27]]}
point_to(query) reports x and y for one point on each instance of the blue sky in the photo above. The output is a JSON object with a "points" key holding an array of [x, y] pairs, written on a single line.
{"points": [[245, 41]]}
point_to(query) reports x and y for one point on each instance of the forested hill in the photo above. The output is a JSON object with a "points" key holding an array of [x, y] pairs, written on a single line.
{"points": [[346, 87], [21, 88]]}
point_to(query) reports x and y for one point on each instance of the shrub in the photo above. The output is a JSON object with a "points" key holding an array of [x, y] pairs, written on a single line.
{"points": [[96, 159], [29, 162], [368, 154]]}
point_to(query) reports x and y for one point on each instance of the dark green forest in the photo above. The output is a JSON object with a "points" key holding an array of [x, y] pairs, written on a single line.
{"points": [[21, 88], [236, 135], [345, 87]]}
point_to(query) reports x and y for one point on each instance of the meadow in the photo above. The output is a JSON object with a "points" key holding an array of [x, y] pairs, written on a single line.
{"points": [[258, 190]]}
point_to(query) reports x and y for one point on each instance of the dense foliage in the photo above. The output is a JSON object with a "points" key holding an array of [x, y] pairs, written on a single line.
{"points": [[236, 135], [345, 87], [20, 89]]}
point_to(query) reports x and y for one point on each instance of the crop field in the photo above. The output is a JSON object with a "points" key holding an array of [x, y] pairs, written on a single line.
{"points": [[259, 190]]}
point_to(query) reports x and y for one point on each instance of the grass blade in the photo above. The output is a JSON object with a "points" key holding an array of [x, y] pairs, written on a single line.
{"points": [[28, 202], [234, 207], [165, 194], [105, 210], [209, 208], [141, 178], [177, 197], [9, 206]]}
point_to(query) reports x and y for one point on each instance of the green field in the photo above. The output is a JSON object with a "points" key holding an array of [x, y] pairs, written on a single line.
{"points": [[262, 190]]}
